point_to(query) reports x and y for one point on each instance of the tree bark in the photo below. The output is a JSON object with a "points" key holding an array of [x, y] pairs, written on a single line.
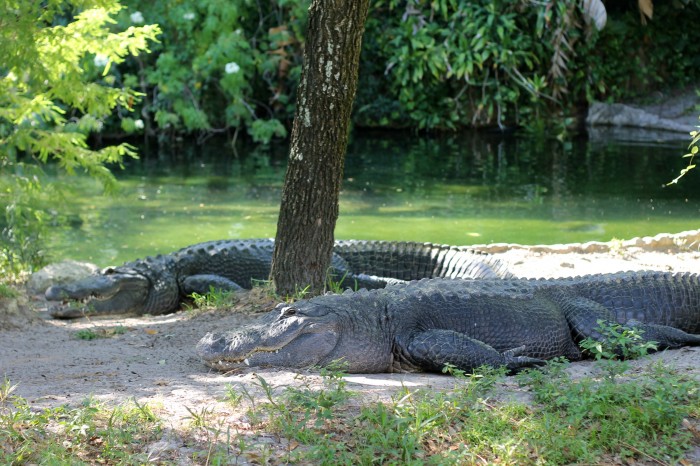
{"points": [[309, 207]]}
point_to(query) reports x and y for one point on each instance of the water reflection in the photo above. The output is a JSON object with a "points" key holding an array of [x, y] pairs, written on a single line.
{"points": [[462, 189]]}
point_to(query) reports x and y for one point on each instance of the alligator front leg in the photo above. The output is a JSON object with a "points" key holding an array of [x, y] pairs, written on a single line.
{"points": [[204, 283], [433, 349]]}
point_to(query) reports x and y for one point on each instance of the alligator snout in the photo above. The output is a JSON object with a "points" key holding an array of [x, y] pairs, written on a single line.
{"points": [[56, 293], [211, 346]]}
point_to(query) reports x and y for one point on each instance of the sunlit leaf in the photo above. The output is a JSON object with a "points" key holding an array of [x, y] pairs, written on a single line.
{"points": [[646, 10]]}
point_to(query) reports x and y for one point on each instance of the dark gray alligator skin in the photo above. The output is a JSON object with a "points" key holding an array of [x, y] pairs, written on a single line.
{"points": [[157, 285], [423, 325]]}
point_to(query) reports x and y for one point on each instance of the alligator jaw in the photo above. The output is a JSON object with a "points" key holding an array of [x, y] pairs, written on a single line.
{"points": [[300, 348], [232, 364], [109, 293]]}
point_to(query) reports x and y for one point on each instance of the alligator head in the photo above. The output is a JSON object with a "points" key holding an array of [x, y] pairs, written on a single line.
{"points": [[115, 290], [301, 335]]}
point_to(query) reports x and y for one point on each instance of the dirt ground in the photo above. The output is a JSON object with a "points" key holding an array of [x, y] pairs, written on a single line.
{"points": [[154, 362]]}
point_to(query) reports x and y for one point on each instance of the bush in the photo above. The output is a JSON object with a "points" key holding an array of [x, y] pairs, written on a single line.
{"points": [[55, 90], [220, 67]]}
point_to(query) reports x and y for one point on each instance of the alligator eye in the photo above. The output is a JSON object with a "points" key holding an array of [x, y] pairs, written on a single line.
{"points": [[288, 311]]}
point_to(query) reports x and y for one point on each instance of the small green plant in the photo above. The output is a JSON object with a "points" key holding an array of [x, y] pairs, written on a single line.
{"points": [[216, 298], [267, 287], [118, 330], [6, 389], [7, 291], [232, 396], [98, 332], [87, 334], [300, 293], [144, 411], [199, 418], [335, 286], [480, 381], [548, 380], [320, 404], [267, 388], [617, 341], [334, 373]]}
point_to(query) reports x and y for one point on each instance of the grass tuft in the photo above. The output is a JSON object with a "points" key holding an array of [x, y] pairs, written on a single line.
{"points": [[215, 298]]}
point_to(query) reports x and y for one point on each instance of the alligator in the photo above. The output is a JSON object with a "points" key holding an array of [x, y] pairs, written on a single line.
{"points": [[427, 324], [158, 285]]}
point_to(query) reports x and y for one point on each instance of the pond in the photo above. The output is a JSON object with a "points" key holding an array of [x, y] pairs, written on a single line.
{"points": [[462, 189]]}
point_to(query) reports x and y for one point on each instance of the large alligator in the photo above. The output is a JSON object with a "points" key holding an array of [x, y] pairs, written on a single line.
{"points": [[424, 325], [157, 285]]}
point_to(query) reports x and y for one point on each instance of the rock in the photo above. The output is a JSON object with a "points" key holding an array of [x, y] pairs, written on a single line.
{"points": [[602, 114], [15, 314], [59, 273]]}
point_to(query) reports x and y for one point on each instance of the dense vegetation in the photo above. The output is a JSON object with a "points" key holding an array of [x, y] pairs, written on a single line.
{"points": [[57, 87], [443, 64]]}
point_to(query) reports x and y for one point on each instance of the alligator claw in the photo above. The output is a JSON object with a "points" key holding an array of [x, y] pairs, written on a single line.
{"points": [[513, 361]]}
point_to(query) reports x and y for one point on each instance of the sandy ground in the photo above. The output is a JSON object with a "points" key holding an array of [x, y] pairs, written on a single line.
{"points": [[154, 360]]}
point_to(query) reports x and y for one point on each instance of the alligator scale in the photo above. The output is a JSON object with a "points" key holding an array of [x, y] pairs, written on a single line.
{"points": [[422, 326], [157, 285]]}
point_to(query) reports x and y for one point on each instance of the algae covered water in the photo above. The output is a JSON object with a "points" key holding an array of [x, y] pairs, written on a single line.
{"points": [[464, 189]]}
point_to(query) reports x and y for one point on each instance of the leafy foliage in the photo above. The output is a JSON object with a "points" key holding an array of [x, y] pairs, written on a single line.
{"points": [[222, 66], [55, 90], [617, 341], [447, 63]]}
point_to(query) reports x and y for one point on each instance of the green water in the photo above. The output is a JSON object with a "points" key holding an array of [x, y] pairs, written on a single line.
{"points": [[461, 190]]}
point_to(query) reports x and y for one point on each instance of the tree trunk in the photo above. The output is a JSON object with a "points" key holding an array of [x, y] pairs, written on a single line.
{"points": [[309, 208]]}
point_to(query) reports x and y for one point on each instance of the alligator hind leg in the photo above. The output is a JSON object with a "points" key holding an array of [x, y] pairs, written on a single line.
{"points": [[665, 336], [583, 316], [432, 349]]}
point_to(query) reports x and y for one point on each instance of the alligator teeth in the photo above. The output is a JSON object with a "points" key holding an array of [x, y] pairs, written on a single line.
{"points": [[247, 363]]}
